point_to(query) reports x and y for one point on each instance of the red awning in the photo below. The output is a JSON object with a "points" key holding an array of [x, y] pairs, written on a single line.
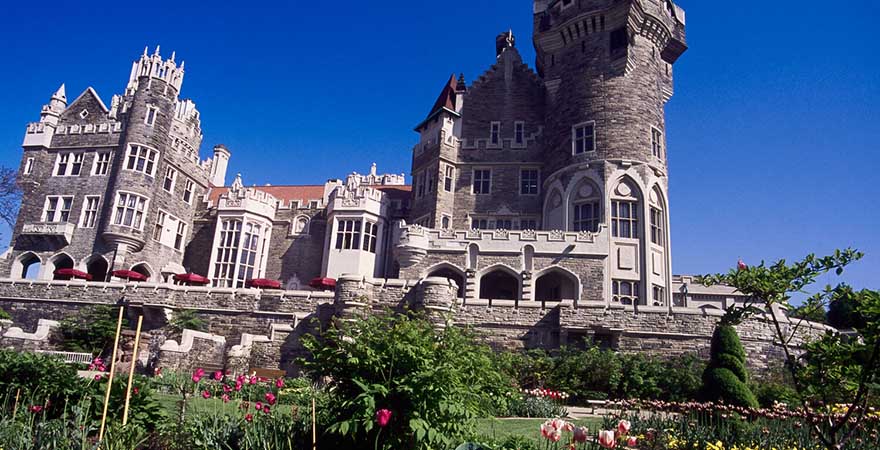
{"points": [[191, 278], [129, 275], [67, 274], [262, 283], [323, 283]]}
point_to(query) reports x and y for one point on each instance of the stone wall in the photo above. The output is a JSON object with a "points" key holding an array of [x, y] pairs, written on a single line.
{"points": [[262, 329]]}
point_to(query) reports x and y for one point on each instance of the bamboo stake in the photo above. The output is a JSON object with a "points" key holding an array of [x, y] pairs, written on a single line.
{"points": [[110, 378], [15, 407], [134, 354], [314, 427]]}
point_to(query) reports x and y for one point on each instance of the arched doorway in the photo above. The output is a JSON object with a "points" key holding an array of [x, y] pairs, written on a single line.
{"points": [[556, 285], [499, 284], [27, 267], [61, 261], [98, 268], [451, 274], [143, 269]]}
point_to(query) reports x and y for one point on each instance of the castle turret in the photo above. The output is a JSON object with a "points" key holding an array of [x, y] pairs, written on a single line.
{"points": [[219, 165]]}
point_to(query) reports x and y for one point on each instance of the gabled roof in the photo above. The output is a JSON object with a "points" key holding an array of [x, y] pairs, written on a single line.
{"points": [[446, 101], [94, 94]]}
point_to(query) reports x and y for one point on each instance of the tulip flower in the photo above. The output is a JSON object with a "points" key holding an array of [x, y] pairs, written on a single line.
{"points": [[237, 386], [258, 406], [740, 265], [218, 375], [36, 409], [226, 388], [98, 377], [270, 397], [606, 439], [206, 395], [225, 398], [580, 434], [632, 441], [383, 416], [266, 409], [279, 383], [249, 418], [623, 427]]}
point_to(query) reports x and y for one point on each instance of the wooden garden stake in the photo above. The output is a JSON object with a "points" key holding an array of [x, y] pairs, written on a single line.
{"points": [[15, 407], [110, 378], [314, 427], [134, 354]]}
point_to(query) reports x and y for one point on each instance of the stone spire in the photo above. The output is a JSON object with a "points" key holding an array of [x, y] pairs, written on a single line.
{"points": [[60, 95]]}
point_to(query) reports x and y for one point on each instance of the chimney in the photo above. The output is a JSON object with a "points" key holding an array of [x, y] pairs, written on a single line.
{"points": [[219, 164]]}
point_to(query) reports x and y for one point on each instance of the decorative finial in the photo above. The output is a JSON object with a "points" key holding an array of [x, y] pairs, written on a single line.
{"points": [[182, 63], [173, 54], [157, 51], [146, 49], [60, 94]]}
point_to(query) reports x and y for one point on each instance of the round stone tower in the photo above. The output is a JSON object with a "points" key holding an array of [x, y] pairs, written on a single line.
{"points": [[607, 70]]}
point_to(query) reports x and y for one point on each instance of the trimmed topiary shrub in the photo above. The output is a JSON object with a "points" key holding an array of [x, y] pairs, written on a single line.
{"points": [[726, 378]]}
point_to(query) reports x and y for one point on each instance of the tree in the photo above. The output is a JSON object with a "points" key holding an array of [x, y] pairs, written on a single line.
{"points": [[726, 377], [807, 312], [10, 195], [92, 330], [843, 313], [833, 368]]}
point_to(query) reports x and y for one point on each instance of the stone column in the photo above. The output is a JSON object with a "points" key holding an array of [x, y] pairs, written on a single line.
{"points": [[437, 297], [352, 297]]}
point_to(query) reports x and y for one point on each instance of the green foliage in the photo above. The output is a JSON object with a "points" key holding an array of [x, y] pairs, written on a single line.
{"points": [[528, 406], [843, 311], [597, 374], [725, 378], [186, 319], [813, 313], [39, 378], [145, 411], [4, 315], [433, 381], [91, 330]]}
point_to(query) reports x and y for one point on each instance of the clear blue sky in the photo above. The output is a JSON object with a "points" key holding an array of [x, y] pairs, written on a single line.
{"points": [[773, 131]]}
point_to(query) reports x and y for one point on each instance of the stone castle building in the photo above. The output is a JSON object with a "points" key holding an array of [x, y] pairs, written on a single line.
{"points": [[532, 190]]}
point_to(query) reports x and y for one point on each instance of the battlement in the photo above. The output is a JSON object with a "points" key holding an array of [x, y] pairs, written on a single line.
{"points": [[155, 68]]}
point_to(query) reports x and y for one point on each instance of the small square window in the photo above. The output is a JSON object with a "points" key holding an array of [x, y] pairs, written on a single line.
{"points": [[83, 114]]}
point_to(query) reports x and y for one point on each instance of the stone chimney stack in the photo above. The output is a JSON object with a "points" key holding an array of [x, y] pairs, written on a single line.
{"points": [[219, 165]]}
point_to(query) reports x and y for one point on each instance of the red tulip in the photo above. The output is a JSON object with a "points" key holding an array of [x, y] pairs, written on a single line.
{"points": [[279, 383], [249, 417], [258, 406], [623, 427], [266, 409], [383, 416], [270, 397], [98, 377], [580, 434], [632, 441], [606, 439], [206, 394], [225, 398], [218, 375], [36, 409]]}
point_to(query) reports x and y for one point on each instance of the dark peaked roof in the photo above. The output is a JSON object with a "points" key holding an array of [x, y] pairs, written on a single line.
{"points": [[446, 100]]}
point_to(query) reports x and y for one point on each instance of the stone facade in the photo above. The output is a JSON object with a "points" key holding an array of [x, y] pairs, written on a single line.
{"points": [[538, 211]]}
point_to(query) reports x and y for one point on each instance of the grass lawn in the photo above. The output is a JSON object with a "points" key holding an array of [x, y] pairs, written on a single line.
{"points": [[529, 428], [495, 429]]}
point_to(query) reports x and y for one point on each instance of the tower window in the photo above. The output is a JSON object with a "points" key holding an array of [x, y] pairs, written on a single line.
{"points": [[431, 184], [188, 191], [150, 119], [495, 133], [57, 209], [519, 133], [528, 180], [170, 177], [68, 164], [482, 181], [657, 220], [348, 235], [625, 292], [102, 163], [587, 217], [180, 236], [28, 167], [130, 210], [657, 142], [448, 179], [445, 222], [624, 219], [584, 138], [141, 159], [90, 211], [371, 230], [619, 40]]}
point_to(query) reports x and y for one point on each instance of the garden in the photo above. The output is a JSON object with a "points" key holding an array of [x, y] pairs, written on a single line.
{"points": [[398, 381]]}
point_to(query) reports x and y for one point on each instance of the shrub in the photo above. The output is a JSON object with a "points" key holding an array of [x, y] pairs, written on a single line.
{"points": [[725, 378], [528, 406], [4, 315], [40, 379], [185, 319], [434, 382], [91, 330]]}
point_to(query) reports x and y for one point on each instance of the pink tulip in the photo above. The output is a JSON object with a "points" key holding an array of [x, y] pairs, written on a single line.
{"points": [[258, 406], [249, 418], [383, 416], [279, 383], [226, 388], [632, 441], [581, 434], [270, 397], [36, 409], [253, 380], [135, 390], [98, 377], [606, 439], [206, 394], [218, 375], [623, 427], [225, 398], [237, 386], [266, 409]]}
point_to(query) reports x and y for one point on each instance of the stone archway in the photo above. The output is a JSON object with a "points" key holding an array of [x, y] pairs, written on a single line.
{"points": [[556, 285], [499, 284]]}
